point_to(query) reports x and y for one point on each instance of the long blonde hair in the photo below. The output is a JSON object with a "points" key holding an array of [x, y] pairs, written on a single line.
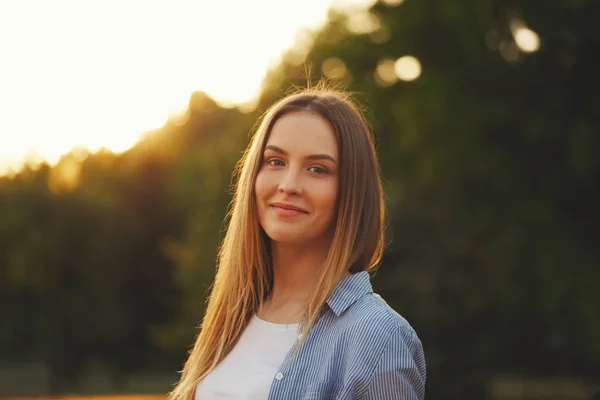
{"points": [[244, 274]]}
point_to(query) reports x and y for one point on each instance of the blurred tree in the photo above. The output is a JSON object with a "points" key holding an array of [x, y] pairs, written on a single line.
{"points": [[85, 276]]}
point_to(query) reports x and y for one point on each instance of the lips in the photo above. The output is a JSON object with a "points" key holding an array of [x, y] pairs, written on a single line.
{"points": [[289, 207], [288, 210]]}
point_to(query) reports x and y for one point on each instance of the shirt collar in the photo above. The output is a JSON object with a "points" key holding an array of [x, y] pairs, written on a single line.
{"points": [[348, 291]]}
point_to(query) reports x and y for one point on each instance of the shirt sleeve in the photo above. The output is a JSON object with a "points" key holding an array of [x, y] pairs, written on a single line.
{"points": [[400, 373]]}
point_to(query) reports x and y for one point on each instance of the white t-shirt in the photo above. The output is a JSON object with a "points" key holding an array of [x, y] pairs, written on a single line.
{"points": [[247, 372]]}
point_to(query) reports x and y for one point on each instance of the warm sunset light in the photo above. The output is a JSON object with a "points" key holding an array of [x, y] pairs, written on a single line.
{"points": [[392, 3], [335, 69], [97, 74]]}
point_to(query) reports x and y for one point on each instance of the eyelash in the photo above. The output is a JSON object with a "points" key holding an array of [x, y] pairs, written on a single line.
{"points": [[319, 173], [273, 160]]}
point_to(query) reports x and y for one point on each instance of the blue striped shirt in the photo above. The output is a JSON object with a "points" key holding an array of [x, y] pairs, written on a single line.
{"points": [[359, 348]]}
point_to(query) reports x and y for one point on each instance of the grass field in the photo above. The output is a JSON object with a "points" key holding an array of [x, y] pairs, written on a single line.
{"points": [[28, 382], [20, 381], [95, 397]]}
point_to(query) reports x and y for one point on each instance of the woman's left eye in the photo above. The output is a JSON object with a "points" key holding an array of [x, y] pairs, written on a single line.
{"points": [[318, 170]]}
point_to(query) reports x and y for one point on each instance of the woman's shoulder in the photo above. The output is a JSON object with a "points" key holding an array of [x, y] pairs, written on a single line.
{"points": [[359, 313], [372, 314]]}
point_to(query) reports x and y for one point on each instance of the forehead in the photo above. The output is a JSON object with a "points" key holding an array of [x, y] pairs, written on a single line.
{"points": [[303, 132]]}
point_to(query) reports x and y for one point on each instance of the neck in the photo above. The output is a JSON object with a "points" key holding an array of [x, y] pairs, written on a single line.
{"points": [[295, 274], [295, 271]]}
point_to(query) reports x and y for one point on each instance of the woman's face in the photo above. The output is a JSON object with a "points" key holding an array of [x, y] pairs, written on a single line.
{"points": [[297, 184]]}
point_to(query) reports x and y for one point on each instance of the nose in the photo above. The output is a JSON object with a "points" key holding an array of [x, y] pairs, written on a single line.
{"points": [[290, 183]]}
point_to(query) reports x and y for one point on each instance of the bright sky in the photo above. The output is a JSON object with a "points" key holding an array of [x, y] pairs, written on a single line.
{"points": [[97, 73]]}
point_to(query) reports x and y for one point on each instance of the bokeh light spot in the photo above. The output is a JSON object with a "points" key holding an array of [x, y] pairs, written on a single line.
{"points": [[385, 74], [334, 68], [509, 51], [381, 35], [407, 68], [362, 22], [527, 40]]}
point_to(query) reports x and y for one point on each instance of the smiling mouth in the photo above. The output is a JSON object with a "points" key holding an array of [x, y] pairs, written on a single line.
{"points": [[289, 207], [284, 210]]}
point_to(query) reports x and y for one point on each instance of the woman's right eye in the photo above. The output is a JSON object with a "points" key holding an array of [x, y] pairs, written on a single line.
{"points": [[275, 162]]}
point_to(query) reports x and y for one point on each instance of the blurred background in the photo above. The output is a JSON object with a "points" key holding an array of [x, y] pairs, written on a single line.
{"points": [[121, 122]]}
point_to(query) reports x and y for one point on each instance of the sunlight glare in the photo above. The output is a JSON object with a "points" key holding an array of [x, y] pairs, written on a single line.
{"points": [[99, 74], [65, 176], [392, 3]]}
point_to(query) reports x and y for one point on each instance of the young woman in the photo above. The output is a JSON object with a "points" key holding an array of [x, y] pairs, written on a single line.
{"points": [[292, 314]]}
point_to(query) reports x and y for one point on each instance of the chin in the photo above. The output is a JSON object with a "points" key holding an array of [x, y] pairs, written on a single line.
{"points": [[296, 236], [285, 236]]}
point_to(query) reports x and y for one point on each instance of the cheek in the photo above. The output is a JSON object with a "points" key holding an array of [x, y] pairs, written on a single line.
{"points": [[260, 186], [329, 200], [259, 197]]}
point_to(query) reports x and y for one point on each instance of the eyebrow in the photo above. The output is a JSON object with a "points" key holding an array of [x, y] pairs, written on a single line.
{"points": [[310, 157]]}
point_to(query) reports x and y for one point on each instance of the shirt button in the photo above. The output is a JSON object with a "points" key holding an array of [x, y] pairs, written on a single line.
{"points": [[300, 336], [279, 376]]}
